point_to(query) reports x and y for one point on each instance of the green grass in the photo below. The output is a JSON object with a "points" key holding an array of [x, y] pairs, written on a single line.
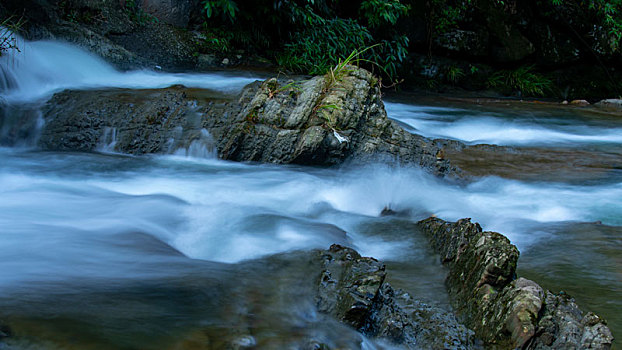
{"points": [[522, 79], [7, 28]]}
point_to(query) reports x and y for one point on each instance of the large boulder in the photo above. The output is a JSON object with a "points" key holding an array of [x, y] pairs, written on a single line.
{"points": [[504, 311], [315, 122], [323, 121]]}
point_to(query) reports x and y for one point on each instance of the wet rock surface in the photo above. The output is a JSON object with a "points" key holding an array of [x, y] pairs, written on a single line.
{"points": [[323, 122], [352, 289], [504, 311], [127, 34], [311, 122], [133, 122], [612, 103]]}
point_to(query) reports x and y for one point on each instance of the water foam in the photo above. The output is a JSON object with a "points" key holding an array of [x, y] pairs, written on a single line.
{"points": [[41, 68], [491, 128]]}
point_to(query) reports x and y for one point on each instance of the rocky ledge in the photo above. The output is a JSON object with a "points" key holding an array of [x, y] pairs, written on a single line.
{"points": [[507, 312], [492, 308], [352, 289], [324, 120]]}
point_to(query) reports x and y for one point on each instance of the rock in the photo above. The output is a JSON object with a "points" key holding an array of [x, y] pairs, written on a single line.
{"points": [[161, 44], [205, 61], [322, 122], [579, 103], [464, 42], [504, 311], [353, 289], [613, 103], [173, 12], [310, 122], [148, 121], [562, 325], [154, 33], [349, 285], [95, 43]]}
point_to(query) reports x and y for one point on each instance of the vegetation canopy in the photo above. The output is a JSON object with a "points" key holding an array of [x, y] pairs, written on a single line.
{"points": [[316, 33]]}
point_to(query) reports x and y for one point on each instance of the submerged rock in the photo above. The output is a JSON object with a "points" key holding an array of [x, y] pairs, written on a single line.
{"points": [[612, 103], [319, 121], [504, 311]]}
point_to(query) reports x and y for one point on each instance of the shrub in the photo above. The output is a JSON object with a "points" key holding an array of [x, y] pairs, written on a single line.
{"points": [[7, 39], [317, 48], [522, 79]]}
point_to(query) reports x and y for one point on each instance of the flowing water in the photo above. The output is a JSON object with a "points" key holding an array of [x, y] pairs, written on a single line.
{"points": [[105, 250]]}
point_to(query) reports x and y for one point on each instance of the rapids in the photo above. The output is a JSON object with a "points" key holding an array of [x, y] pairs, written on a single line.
{"points": [[105, 250]]}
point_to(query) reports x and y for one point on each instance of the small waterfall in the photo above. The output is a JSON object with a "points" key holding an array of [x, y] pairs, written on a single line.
{"points": [[7, 80], [11, 44], [39, 69], [203, 147], [20, 126], [108, 141]]}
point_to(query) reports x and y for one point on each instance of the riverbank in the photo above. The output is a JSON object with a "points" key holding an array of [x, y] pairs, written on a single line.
{"points": [[347, 203], [176, 37]]}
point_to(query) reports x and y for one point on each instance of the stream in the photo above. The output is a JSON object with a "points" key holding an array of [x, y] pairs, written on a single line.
{"points": [[105, 250]]}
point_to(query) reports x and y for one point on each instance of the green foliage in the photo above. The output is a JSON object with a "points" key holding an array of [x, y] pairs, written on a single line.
{"points": [[453, 74], [608, 14], [390, 55], [339, 71], [7, 39], [522, 79], [309, 36], [70, 13], [611, 14], [323, 111], [445, 15], [226, 8], [215, 40], [320, 46], [136, 13], [274, 88], [379, 12]]}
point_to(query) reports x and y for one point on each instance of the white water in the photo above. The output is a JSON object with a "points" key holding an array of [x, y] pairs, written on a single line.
{"points": [[525, 128], [224, 212], [231, 212], [73, 217], [42, 68]]}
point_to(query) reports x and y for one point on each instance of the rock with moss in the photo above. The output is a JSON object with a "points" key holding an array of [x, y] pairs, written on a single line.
{"points": [[320, 121], [323, 121], [504, 311]]}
